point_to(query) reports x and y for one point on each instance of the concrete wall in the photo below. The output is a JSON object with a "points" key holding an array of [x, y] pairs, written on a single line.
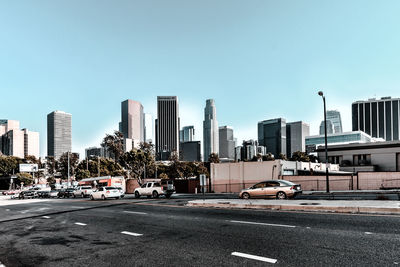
{"points": [[318, 183], [378, 180]]}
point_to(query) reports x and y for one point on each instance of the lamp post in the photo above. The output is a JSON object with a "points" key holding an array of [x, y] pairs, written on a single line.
{"points": [[320, 93]]}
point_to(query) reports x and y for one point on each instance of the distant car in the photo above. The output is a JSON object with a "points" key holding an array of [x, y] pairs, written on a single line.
{"points": [[66, 193], [83, 191], [155, 189], [121, 191], [28, 194], [105, 193], [280, 189], [54, 193]]}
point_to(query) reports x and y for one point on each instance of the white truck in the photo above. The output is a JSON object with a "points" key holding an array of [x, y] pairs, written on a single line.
{"points": [[155, 189], [83, 191]]}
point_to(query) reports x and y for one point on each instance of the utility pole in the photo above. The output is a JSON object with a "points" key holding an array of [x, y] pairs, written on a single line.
{"points": [[68, 169], [98, 166]]}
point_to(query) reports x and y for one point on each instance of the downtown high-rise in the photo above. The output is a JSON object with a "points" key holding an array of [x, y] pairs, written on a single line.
{"points": [[132, 121], [334, 123], [210, 130], [59, 133], [379, 118], [227, 143], [167, 127]]}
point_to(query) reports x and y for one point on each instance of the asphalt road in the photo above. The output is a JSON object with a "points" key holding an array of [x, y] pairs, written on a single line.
{"points": [[163, 232]]}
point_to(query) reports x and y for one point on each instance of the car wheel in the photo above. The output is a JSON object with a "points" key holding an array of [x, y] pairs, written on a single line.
{"points": [[155, 194], [245, 195], [83, 195], [91, 197], [74, 196], [281, 195], [137, 195], [103, 197]]}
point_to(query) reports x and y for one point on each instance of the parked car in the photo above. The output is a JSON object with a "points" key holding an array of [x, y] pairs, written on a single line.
{"points": [[53, 193], [121, 191], [280, 189], [28, 194], [105, 193], [154, 189], [66, 193], [83, 191]]}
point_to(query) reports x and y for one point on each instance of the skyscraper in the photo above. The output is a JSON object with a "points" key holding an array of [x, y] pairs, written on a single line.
{"points": [[333, 122], [272, 134], [59, 133], [210, 130], [167, 126], [148, 128], [132, 120], [296, 133], [379, 118], [226, 143], [187, 134]]}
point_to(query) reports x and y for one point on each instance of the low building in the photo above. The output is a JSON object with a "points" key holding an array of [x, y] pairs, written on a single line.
{"points": [[376, 156]]}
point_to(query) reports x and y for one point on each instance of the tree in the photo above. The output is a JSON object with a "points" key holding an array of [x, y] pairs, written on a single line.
{"points": [[137, 161], [82, 174], [9, 165], [282, 156], [73, 164], [268, 157], [25, 178], [213, 158], [115, 144], [163, 176], [258, 157], [99, 167], [52, 165], [300, 156]]}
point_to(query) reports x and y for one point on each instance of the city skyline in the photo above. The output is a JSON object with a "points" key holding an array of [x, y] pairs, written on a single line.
{"points": [[258, 61]]}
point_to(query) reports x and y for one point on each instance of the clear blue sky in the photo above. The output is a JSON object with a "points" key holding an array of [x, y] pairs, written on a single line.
{"points": [[258, 59]]}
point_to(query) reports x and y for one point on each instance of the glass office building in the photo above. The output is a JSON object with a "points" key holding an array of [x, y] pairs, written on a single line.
{"points": [[377, 117]]}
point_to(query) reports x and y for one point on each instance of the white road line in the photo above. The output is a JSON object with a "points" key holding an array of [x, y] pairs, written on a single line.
{"points": [[253, 257], [135, 212], [266, 224], [46, 217], [81, 224], [368, 233], [7, 209], [130, 233], [2, 265]]}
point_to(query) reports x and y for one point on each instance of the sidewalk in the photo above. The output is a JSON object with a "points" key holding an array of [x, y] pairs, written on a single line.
{"points": [[339, 206]]}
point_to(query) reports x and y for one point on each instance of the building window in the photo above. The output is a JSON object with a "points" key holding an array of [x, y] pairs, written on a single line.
{"points": [[362, 160], [335, 159]]}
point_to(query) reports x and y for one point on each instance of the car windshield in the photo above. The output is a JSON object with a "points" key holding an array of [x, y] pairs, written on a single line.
{"points": [[86, 187], [110, 188]]}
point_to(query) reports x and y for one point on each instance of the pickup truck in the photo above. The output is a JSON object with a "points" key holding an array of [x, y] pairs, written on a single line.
{"points": [[83, 191], [155, 189]]}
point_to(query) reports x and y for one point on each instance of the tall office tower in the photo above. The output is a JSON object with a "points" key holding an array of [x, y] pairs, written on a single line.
{"points": [[210, 130], [226, 143], [5, 127], [31, 143], [272, 134], [296, 133], [148, 128], [379, 118], [13, 143], [167, 127], [329, 126], [190, 151], [336, 119], [132, 120], [59, 133], [187, 134]]}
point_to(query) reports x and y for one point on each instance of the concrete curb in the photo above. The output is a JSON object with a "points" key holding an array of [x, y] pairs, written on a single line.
{"points": [[319, 208]]}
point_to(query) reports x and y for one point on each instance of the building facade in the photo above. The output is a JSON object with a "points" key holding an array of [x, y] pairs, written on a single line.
{"points": [[148, 128], [96, 152], [16, 142], [167, 126], [210, 130], [296, 133], [187, 134], [190, 151], [272, 135], [132, 120], [59, 133], [329, 126], [377, 117], [227, 143]]}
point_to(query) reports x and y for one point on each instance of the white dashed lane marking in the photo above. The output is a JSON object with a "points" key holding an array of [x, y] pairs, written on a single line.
{"points": [[130, 233], [368, 233], [253, 257], [81, 224], [135, 212], [266, 224], [46, 217]]}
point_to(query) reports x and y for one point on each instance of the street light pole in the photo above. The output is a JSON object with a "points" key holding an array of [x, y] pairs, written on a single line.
{"points": [[326, 142]]}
